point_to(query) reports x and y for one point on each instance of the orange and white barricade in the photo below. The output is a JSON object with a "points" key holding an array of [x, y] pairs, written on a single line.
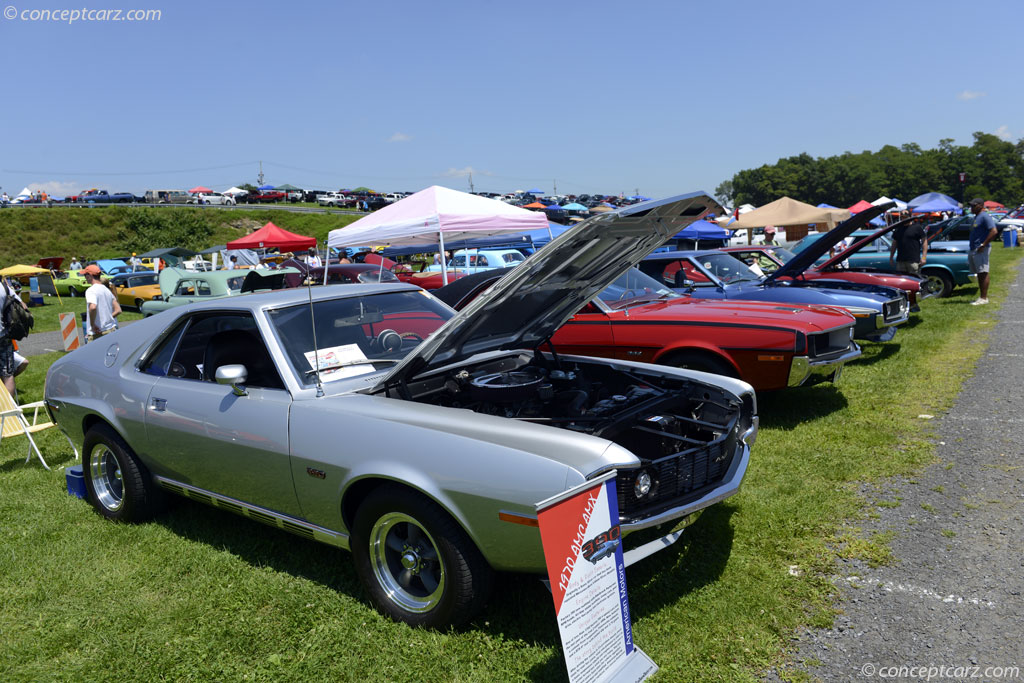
{"points": [[69, 331]]}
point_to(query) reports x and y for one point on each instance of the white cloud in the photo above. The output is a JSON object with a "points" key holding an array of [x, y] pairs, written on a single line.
{"points": [[400, 137], [968, 95], [57, 188], [462, 172], [1003, 132]]}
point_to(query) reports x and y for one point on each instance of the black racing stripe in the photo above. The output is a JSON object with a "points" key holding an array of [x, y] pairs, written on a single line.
{"points": [[685, 323]]}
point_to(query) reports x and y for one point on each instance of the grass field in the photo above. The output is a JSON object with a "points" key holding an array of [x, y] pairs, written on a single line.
{"points": [[203, 595]]}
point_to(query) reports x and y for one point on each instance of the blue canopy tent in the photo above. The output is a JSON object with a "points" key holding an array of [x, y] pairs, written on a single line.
{"points": [[936, 206], [931, 197], [535, 191], [697, 232], [554, 207], [575, 207], [266, 187], [533, 239]]}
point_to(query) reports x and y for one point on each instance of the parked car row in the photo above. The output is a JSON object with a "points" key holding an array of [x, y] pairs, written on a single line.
{"points": [[518, 382]]}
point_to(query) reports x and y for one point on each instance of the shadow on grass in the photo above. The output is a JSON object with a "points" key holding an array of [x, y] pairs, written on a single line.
{"points": [[789, 408], [263, 546], [874, 353], [55, 460]]}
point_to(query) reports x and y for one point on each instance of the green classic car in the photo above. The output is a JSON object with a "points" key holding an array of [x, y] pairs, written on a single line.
{"points": [[69, 284], [179, 286]]}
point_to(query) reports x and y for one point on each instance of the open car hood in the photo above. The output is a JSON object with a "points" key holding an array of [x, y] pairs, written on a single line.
{"points": [[860, 244], [806, 258], [525, 308]]}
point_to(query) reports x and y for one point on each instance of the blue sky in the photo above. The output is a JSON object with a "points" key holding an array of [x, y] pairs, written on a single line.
{"points": [[664, 97]]}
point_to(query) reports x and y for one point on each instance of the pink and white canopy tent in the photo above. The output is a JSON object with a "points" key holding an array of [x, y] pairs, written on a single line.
{"points": [[433, 215]]}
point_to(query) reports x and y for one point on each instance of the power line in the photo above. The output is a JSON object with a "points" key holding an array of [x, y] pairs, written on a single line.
{"points": [[122, 173]]}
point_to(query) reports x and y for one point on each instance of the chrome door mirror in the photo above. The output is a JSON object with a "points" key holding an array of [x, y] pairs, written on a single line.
{"points": [[234, 375]]}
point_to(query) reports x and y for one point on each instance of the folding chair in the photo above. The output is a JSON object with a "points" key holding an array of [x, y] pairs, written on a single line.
{"points": [[14, 422]]}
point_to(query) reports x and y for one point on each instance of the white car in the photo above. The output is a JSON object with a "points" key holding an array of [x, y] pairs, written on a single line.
{"points": [[213, 198], [477, 260], [739, 237], [331, 199]]}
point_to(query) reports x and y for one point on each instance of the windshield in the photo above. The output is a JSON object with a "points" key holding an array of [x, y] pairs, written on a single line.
{"points": [[139, 280], [632, 288], [726, 268], [377, 275], [356, 335]]}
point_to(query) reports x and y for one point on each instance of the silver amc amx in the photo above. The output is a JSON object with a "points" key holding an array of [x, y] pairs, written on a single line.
{"points": [[375, 418]]}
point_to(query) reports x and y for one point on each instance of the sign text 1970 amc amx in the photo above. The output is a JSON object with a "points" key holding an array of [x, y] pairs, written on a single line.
{"points": [[222, 402]]}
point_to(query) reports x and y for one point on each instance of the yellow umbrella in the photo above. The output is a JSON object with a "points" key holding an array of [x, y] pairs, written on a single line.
{"points": [[19, 271]]}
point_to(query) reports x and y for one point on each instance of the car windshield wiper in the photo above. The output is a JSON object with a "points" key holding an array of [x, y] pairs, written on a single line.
{"points": [[349, 363]]}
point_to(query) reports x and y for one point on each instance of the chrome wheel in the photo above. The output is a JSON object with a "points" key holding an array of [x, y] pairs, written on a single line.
{"points": [[105, 472], [406, 563]]}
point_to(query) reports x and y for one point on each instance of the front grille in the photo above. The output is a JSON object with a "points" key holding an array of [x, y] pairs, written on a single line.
{"points": [[679, 476], [822, 345]]}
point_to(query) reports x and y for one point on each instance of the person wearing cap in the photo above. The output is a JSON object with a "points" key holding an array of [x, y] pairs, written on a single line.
{"points": [[769, 236], [135, 262], [982, 233], [102, 308], [76, 264]]}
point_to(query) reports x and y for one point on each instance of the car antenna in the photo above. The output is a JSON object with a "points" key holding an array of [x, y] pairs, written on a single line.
{"points": [[312, 322]]}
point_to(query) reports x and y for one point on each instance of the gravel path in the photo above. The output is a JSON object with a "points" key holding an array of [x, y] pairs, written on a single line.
{"points": [[952, 597]]}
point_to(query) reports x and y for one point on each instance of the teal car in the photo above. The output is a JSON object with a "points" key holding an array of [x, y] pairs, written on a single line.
{"points": [[180, 286], [944, 270]]}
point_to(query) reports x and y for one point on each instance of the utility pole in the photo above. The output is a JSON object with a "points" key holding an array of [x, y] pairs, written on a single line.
{"points": [[637, 193], [555, 190], [471, 182], [260, 176]]}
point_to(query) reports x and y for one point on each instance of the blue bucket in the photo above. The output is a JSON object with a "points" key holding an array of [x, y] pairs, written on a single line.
{"points": [[76, 481]]}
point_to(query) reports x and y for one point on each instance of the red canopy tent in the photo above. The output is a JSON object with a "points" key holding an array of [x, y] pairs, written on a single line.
{"points": [[994, 205], [272, 236], [860, 206], [200, 188]]}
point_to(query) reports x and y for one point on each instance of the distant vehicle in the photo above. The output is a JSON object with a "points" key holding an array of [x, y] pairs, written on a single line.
{"points": [[167, 197], [111, 267], [133, 289], [104, 197], [476, 260], [213, 198], [295, 196], [179, 286], [332, 199], [265, 196]]}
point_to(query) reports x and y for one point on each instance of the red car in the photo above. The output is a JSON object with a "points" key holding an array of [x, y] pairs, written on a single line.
{"points": [[406, 273], [769, 345], [769, 258], [265, 196]]}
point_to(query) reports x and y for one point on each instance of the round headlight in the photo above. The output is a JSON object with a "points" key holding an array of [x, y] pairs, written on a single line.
{"points": [[642, 485]]}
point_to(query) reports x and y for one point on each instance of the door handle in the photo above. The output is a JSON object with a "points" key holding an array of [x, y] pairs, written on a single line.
{"points": [[159, 404]]}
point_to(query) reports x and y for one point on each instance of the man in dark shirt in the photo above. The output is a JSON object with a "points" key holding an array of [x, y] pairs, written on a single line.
{"points": [[982, 233], [910, 250]]}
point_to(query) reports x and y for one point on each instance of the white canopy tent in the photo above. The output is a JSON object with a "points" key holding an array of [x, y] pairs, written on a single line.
{"points": [[900, 205], [433, 215]]}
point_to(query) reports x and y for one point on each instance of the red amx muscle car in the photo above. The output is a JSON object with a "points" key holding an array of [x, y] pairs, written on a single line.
{"points": [[769, 345]]}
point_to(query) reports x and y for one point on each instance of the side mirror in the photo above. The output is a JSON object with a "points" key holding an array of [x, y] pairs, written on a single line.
{"points": [[235, 376]]}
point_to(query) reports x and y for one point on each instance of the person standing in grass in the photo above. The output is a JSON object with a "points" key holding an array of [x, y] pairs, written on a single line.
{"points": [[8, 364], [982, 233], [102, 308], [909, 249]]}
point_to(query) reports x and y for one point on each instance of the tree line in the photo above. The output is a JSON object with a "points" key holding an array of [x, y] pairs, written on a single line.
{"points": [[992, 168]]}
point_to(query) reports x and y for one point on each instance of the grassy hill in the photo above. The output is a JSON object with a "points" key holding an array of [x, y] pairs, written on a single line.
{"points": [[28, 234]]}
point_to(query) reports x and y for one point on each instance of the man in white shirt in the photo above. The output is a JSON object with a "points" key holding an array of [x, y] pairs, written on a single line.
{"points": [[102, 308], [313, 259], [136, 262]]}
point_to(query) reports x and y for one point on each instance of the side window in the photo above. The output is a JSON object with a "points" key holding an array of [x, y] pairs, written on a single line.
{"points": [[482, 261], [186, 288], [692, 272], [203, 288], [214, 340], [159, 361], [459, 261]]}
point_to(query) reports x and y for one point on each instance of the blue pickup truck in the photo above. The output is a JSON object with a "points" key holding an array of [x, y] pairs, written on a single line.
{"points": [[104, 197]]}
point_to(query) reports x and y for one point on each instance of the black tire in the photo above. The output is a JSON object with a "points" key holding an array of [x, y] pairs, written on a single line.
{"points": [[941, 282], [116, 483], [416, 562], [72, 292], [138, 304], [704, 362]]}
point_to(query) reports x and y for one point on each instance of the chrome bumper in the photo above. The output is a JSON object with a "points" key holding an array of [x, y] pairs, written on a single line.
{"points": [[730, 486], [803, 368]]}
